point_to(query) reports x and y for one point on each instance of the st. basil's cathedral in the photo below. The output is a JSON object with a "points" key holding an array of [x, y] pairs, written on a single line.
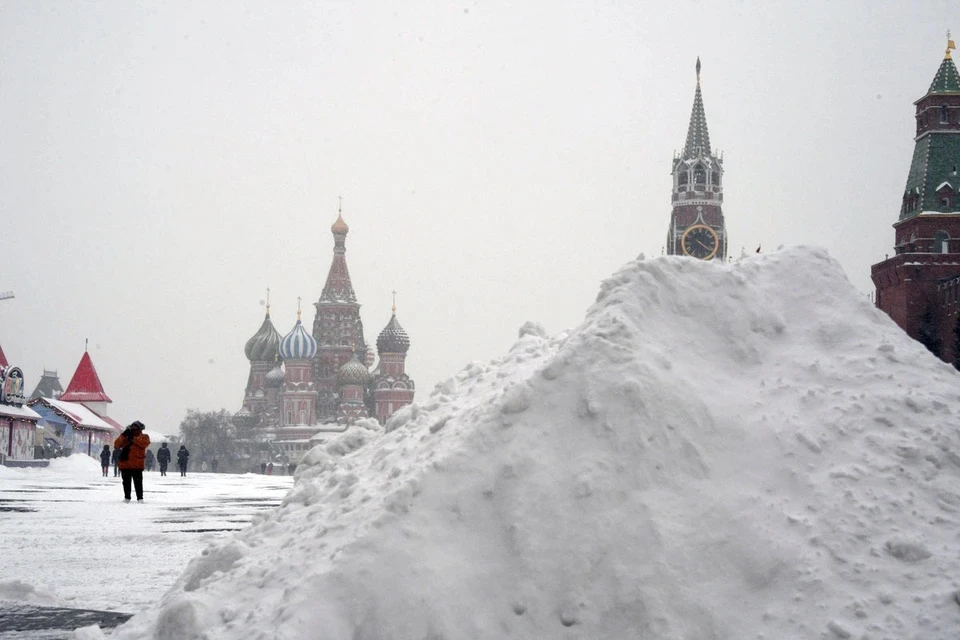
{"points": [[307, 382]]}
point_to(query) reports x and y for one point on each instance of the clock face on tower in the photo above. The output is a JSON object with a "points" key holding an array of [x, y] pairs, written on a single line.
{"points": [[700, 241]]}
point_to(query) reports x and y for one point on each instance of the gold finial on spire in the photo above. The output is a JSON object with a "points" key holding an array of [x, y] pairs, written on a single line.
{"points": [[298, 308], [698, 71], [950, 45], [340, 205], [394, 302], [268, 300]]}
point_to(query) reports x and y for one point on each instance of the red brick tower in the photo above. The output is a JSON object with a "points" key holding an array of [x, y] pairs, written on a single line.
{"points": [[336, 327], [696, 224], [919, 287], [393, 388]]}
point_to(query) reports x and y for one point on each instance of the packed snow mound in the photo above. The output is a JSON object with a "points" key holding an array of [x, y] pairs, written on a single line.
{"points": [[719, 451]]}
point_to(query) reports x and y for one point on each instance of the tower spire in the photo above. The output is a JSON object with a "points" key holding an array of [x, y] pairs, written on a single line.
{"points": [[268, 301], [698, 137], [394, 309], [950, 45], [298, 308]]}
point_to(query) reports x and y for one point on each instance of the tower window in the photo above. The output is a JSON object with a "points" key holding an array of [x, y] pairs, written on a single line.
{"points": [[716, 178], [682, 178], [699, 175], [944, 114], [941, 242]]}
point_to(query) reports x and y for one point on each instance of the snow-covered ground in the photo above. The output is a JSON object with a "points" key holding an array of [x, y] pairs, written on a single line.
{"points": [[69, 539], [718, 451]]}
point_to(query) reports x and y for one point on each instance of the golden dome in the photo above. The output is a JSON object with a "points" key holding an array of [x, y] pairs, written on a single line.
{"points": [[340, 227]]}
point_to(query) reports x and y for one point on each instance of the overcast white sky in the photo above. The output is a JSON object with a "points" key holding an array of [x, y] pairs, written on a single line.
{"points": [[161, 165]]}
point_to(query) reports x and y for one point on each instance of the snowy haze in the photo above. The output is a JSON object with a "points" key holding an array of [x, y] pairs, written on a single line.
{"points": [[161, 166]]}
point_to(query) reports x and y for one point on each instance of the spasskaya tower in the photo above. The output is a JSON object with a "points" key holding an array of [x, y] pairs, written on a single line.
{"points": [[696, 223]]}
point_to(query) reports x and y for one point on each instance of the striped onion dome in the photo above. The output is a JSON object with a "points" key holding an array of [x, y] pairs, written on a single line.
{"points": [[393, 339], [264, 344], [275, 377], [353, 372], [298, 344]]}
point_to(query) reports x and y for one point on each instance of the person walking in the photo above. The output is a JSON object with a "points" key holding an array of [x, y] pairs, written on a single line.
{"points": [[163, 458], [182, 457], [149, 460], [263, 468], [114, 459], [133, 443], [105, 460]]}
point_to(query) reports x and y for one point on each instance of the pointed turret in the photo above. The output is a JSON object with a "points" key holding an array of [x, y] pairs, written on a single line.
{"points": [[932, 184], [698, 137], [338, 287], [85, 384]]}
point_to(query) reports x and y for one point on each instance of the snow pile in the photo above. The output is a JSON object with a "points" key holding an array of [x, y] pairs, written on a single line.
{"points": [[719, 451], [19, 591], [78, 465]]}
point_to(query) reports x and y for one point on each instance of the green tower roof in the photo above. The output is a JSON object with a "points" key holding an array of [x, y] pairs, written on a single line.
{"points": [[947, 79], [698, 138]]}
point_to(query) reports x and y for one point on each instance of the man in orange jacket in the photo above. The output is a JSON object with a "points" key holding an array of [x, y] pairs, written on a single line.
{"points": [[133, 443]]}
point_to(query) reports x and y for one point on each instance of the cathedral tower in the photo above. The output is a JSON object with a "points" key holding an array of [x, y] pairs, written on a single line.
{"points": [[298, 396], [262, 350], [919, 287], [696, 224], [336, 327], [393, 388]]}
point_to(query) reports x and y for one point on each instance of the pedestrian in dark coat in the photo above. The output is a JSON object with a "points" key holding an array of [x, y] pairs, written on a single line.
{"points": [[114, 459], [263, 467], [105, 460], [163, 458], [183, 456], [133, 443], [148, 460]]}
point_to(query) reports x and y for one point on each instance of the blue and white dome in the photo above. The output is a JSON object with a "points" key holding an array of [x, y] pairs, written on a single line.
{"points": [[298, 344]]}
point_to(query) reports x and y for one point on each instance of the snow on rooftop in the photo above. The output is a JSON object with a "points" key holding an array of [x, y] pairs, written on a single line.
{"points": [[80, 414], [746, 450], [24, 412]]}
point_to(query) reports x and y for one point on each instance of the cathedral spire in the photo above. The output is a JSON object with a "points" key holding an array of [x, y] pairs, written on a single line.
{"points": [[338, 287], [698, 138]]}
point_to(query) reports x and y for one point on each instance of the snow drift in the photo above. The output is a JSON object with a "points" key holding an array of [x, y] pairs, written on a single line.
{"points": [[745, 450]]}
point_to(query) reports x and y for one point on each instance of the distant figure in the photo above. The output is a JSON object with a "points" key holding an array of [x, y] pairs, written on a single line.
{"points": [[105, 460], [213, 465], [182, 457], [291, 468], [149, 460], [163, 458], [133, 443], [114, 459], [263, 467], [269, 468]]}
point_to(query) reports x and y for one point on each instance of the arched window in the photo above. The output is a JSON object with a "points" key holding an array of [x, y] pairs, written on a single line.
{"points": [[716, 178], [944, 114], [682, 178], [699, 175], [941, 242]]}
